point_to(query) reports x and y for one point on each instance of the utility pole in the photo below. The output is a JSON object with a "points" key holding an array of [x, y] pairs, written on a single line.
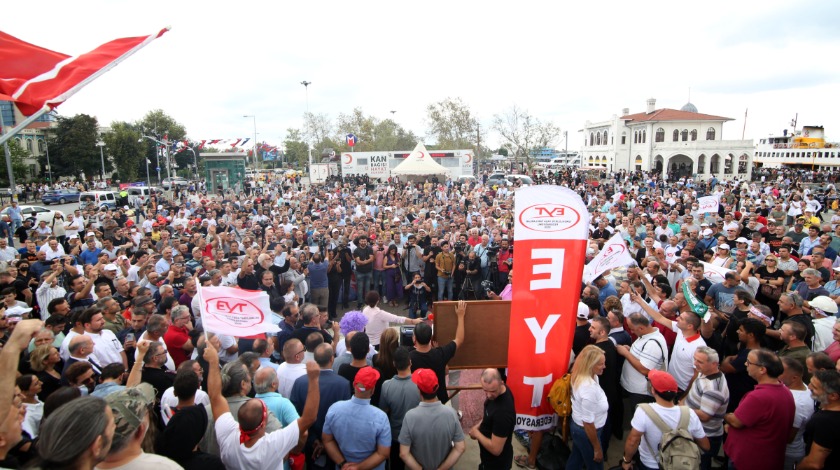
{"points": [[306, 85], [8, 153], [478, 142]]}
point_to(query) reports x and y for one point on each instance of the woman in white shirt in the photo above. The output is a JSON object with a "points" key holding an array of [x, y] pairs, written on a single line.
{"points": [[379, 320], [589, 410]]}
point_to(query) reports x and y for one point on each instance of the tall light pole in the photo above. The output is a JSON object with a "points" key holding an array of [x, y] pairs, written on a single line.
{"points": [[157, 154], [306, 85], [47, 149], [101, 146], [195, 161], [256, 160]]}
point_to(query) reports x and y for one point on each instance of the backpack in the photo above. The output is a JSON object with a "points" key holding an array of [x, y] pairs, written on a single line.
{"points": [[560, 399], [560, 396], [677, 449]]}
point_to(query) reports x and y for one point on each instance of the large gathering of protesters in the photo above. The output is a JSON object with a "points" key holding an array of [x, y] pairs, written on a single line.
{"points": [[105, 362]]}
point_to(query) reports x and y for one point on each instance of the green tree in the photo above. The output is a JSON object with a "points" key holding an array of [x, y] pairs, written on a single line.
{"points": [[18, 155], [452, 124], [158, 124], [297, 150], [73, 149], [122, 145]]}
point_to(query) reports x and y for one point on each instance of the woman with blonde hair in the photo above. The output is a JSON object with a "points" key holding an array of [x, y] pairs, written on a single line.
{"points": [[44, 359], [589, 410]]}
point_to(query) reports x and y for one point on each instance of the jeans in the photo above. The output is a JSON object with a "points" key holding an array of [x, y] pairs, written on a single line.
{"points": [[362, 285], [714, 448], [378, 284], [445, 284], [416, 302], [582, 451]]}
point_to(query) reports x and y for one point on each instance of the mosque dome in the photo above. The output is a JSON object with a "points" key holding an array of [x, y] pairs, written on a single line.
{"points": [[689, 108]]}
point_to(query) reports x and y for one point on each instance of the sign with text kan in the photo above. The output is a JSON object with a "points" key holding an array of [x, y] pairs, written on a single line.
{"points": [[552, 225], [378, 166], [235, 312]]}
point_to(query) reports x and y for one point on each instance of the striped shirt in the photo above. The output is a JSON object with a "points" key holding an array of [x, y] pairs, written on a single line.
{"points": [[710, 394]]}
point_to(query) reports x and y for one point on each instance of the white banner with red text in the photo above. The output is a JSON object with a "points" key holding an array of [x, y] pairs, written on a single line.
{"points": [[235, 312], [614, 254], [552, 227], [708, 204]]}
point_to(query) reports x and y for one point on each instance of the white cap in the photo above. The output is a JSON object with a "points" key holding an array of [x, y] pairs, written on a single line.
{"points": [[111, 267], [90, 234], [723, 246], [707, 232], [583, 311], [741, 240]]}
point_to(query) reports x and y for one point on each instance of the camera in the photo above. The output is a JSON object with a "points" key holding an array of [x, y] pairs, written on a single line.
{"points": [[459, 246], [304, 264], [487, 285], [492, 250]]}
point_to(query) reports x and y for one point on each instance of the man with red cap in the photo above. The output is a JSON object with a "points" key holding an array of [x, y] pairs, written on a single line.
{"points": [[650, 419], [429, 431], [355, 432]]}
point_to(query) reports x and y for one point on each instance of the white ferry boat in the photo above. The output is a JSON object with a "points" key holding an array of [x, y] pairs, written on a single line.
{"points": [[805, 148]]}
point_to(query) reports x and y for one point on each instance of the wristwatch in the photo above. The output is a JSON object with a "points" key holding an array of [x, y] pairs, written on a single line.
{"points": [[623, 460]]}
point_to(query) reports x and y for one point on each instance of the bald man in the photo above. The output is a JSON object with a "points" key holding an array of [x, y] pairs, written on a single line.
{"points": [[493, 433]]}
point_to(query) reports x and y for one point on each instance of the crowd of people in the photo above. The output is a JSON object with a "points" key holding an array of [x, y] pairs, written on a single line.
{"points": [[106, 362]]}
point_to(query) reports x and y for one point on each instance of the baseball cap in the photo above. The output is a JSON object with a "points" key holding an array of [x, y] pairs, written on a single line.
{"points": [[741, 240], [662, 381], [426, 380], [583, 311], [110, 267], [724, 246], [366, 379], [129, 406], [142, 300], [90, 234], [823, 304], [707, 232]]}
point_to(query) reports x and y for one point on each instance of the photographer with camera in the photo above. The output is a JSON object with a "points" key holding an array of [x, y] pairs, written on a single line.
{"points": [[482, 252], [505, 258], [472, 268], [430, 253], [507, 292], [363, 255], [445, 265], [413, 258], [417, 291], [334, 278]]}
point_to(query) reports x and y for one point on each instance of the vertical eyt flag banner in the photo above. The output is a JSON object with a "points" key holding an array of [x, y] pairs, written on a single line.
{"points": [[552, 226]]}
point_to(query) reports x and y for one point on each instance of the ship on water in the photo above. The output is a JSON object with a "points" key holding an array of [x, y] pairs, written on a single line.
{"points": [[806, 148]]}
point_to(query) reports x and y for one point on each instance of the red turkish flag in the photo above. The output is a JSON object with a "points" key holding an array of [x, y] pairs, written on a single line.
{"points": [[33, 77]]}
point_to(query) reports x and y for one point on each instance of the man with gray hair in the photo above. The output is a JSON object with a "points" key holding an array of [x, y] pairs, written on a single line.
{"points": [[266, 384], [132, 419], [709, 397], [292, 367], [156, 328], [177, 337]]}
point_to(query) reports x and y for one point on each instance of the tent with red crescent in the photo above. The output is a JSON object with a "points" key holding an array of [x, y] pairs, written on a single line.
{"points": [[419, 163]]}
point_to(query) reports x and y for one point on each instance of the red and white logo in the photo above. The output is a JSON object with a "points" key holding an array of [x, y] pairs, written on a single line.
{"points": [[549, 217], [238, 313], [609, 254], [469, 158], [421, 155], [349, 159]]}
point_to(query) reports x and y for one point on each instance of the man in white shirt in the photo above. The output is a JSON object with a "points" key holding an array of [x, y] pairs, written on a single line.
{"points": [[7, 253], [246, 445], [72, 226], [108, 349], [52, 249], [687, 328], [648, 352], [292, 368]]}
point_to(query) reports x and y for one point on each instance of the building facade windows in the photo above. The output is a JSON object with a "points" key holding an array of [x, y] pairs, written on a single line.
{"points": [[710, 134], [676, 135], [693, 135], [685, 135], [660, 135]]}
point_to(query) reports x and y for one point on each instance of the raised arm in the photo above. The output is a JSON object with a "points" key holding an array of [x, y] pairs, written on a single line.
{"points": [[214, 382]]}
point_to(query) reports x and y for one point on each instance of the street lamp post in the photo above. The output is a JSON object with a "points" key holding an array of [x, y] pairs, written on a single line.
{"points": [[256, 160], [157, 154], [101, 146], [195, 161], [49, 168], [306, 85]]}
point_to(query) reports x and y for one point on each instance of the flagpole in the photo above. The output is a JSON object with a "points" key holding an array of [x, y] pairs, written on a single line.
{"points": [[8, 153], [200, 303], [72, 91]]}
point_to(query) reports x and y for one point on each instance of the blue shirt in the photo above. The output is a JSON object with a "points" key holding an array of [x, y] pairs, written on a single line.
{"points": [[334, 388], [90, 257], [358, 428], [282, 409], [318, 275]]}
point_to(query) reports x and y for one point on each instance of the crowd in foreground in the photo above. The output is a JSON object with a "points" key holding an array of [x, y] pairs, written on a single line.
{"points": [[105, 362]]}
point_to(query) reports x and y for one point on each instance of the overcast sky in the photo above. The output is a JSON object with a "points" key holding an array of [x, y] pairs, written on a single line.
{"points": [[566, 62]]}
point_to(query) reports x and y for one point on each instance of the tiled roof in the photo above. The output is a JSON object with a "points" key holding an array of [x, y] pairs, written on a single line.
{"points": [[667, 114]]}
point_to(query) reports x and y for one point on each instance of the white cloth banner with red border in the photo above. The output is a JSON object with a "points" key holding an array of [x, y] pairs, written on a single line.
{"points": [[708, 205], [714, 273], [552, 227], [235, 312], [614, 254]]}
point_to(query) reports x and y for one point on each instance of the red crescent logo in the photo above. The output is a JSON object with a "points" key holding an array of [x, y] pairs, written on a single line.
{"points": [[469, 158], [349, 159], [421, 156]]}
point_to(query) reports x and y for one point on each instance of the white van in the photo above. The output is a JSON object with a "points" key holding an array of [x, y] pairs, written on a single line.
{"points": [[141, 192], [98, 199]]}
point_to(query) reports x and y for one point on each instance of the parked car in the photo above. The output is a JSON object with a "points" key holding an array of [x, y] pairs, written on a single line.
{"points": [[60, 196], [36, 213], [466, 179], [496, 179], [522, 180], [98, 199], [171, 183]]}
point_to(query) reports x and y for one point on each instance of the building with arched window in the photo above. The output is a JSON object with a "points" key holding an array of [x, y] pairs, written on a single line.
{"points": [[32, 139], [686, 154]]}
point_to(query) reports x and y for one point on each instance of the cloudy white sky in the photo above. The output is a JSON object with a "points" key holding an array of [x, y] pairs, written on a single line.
{"points": [[566, 62]]}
